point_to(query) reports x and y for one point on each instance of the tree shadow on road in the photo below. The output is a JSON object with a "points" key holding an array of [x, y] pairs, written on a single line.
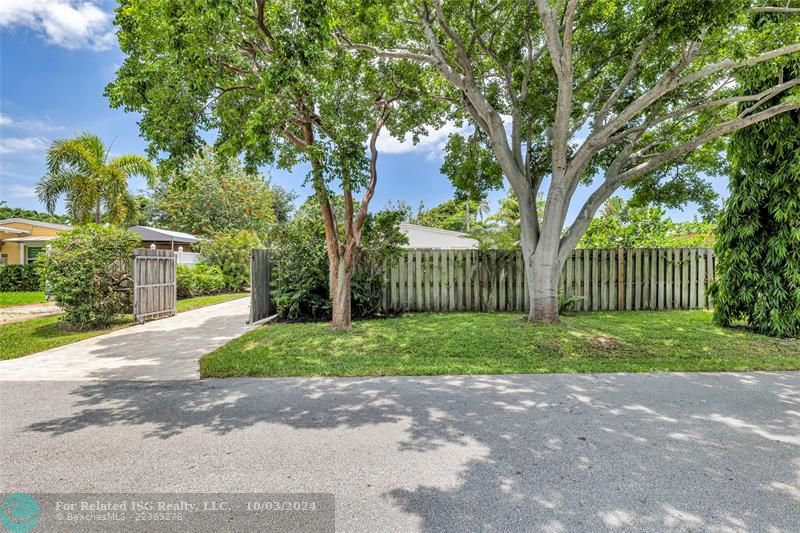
{"points": [[562, 453]]}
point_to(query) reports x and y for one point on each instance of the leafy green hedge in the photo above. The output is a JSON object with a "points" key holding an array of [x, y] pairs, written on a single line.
{"points": [[300, 275], [199, 280], [231, 253], [20, 278], [88, 274]]}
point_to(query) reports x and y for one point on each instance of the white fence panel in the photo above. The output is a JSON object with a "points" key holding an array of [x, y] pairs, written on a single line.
{"points": [[188, 258]]}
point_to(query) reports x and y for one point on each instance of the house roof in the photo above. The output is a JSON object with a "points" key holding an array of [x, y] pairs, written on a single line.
{"points": [[158, 234], [35, 223], [426, 237], [7, 229], [32, 238]]}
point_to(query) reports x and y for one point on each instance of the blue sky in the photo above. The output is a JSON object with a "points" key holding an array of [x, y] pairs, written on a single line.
{"points": [[56, 57]]}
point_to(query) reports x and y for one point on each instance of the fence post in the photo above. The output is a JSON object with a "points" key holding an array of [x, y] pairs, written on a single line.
{"points": [[620, 278]]}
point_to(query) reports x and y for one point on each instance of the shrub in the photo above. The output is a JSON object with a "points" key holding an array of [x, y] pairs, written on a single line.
{"points": [[199, 280], [87, 271], [15, 278], [231, 253], [300, 275], [758, 238]]}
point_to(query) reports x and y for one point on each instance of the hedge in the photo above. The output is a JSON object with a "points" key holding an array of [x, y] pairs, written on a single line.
{"points": [[199, 280], [20, 278]]}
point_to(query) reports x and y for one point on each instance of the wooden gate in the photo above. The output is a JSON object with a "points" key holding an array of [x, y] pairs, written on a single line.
{"points": [[154, 284], [261, 305]]}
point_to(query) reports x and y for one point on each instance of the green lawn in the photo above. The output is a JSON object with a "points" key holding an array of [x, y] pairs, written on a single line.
{"points": [[472, 343], [7, 299], [39, 334]]}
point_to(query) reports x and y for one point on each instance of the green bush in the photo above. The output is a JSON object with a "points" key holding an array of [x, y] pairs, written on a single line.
{"points": [[87, 271], [300, 275], [758, 238], [20, 278], [199, 280], [231, 253]]}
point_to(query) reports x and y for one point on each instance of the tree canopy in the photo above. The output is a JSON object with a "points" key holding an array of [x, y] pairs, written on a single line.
{"points": [[270, 80], [452, 215], [758, 246], [215, 195], [607, 94], [7, 211], [631, 226]]}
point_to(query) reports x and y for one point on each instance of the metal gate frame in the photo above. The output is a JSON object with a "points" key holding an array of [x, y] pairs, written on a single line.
{"points": [[142, 260]]}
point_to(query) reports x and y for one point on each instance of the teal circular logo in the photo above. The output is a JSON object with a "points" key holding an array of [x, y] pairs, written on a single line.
{"points": [[19, 512]]}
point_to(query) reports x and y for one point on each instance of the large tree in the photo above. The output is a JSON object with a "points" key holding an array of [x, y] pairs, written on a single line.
{"points": [[215, 195], [269, 79], [604, 93], [94, 184], [758, 245]]}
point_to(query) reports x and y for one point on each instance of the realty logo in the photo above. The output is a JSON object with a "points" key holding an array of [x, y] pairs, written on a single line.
{"points": [[19, 513]]}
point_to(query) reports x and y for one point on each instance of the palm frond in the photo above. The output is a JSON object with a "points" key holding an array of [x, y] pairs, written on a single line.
{"points": [[73, 154], [135, 165]]}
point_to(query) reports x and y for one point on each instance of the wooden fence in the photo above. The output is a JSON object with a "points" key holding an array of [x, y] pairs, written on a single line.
{"points": [[260, 285], [592, 280], [154, 284]]}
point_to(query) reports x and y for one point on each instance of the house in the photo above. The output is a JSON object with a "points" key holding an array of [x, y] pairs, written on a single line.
{"points": [[21, 239], [438, 239], [164, 239]]}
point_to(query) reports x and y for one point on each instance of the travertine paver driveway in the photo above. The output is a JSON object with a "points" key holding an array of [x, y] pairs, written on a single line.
{"points": [[164, 349]]}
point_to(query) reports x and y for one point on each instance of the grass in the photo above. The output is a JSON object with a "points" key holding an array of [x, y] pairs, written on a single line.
{"points": [[7, 299], [472, 343], [38, 334]]}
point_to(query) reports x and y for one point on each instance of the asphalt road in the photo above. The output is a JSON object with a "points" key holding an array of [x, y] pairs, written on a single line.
{"points": [[663, 452]]}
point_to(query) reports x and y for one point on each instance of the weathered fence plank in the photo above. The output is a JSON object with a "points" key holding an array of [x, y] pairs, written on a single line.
{"points": [[494, 280], [154, 284], [591, 280]]}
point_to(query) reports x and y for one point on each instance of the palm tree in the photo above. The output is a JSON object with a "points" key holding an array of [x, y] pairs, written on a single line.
{"points": [[80, 169]]}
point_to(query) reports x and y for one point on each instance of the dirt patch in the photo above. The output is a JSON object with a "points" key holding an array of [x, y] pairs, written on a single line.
{"points": [[606, 344], [26, 312]]}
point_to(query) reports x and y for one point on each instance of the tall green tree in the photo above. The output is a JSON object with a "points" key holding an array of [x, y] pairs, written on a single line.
{"points": [[215, 195], [7, 211], [456, 214], [626, 224], [758, 246], [604, 93], [269, 79], [94, 185]]}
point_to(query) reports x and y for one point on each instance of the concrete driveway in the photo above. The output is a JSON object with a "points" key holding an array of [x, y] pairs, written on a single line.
{"points": [[159, 350], [658, 452]]}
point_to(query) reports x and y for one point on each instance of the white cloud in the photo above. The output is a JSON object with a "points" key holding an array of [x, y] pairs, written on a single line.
{"points": [[72, 24], [432, 144], [21, 191], [10, 145], [27, 125]]}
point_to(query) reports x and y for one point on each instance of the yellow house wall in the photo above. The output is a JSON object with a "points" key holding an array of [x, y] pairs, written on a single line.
{"points": [[12, 248]]}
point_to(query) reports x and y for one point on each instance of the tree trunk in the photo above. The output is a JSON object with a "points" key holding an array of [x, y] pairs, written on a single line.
{"points": [[546, 275], [341, 293]]}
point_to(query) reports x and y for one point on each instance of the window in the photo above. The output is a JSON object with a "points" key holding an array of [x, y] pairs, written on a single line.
{"points": [[33, 253]]}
